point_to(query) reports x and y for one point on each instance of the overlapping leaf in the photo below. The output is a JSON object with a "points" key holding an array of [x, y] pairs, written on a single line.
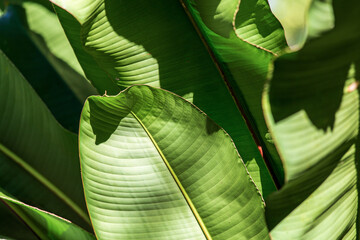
{"points": [[48, 84], [155, 167], [39, 158], [303, 19], [243, 36], [155, 43], [46, 32], [312, 107], [45, 225]]}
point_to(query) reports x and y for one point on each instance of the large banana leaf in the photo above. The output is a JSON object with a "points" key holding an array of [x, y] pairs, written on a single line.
{"points": [[312, 107], [18, 46], [98, 77], [155, 43], [39, 159], [155, 167], [45, 30], [243, 36], [43, 224]]}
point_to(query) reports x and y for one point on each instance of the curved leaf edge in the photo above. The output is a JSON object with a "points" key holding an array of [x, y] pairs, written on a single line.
{"points": [[9, 201], [193, 106], [57, 4], [199, 110], [32, 171]]}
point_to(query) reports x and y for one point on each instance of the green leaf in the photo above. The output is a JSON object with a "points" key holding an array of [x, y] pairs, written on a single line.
{"points": [[246, 20], [46, 32], [155, 43], [45, 225], [312, 108], [243, 56], [255, 24], [18, 46], [156, 167], [37, 150], [303, 19], [11, 227], [98, 77]]}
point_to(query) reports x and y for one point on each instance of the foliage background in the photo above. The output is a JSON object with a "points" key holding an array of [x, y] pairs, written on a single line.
{"points": [[229, 58]]}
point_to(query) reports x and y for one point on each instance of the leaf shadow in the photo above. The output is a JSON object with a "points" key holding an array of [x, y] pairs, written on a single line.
{"points": [[304, 186], [187, 72], [212, 20], [20, 49], [296, 86], [258, 11], [184, 64], [103, 120], [313, 80]]}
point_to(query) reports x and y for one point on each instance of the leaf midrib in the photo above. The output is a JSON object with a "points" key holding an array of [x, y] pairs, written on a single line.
{"points": [[243, 110], [44, 181], [177, 181]]}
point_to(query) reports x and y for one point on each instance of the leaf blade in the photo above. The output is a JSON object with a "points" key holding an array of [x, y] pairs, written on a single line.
{"points": [[167, 52], [103, 129], [312, 108], [44, 224], [31, 135]]}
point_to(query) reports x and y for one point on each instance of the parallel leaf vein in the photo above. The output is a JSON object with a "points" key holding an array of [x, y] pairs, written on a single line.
{"points": [[183, 191]]}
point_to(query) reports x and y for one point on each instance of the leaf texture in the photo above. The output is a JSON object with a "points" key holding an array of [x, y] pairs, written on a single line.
{"points": [[37, 150], [155, 43], [45, 225], [156, 167], [243, 53], [312, 107], [18, 46]]}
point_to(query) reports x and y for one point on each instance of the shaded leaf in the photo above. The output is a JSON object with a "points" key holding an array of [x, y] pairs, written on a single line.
{"points": [[46, 32], [37, 150], [243, 62], [45, 225], [17, 45], [11, 227], [312, 107], [155, 43]]}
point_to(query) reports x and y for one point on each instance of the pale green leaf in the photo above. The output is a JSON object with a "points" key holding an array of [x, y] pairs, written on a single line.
{"points": [[156, 167], [303, 19]]}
